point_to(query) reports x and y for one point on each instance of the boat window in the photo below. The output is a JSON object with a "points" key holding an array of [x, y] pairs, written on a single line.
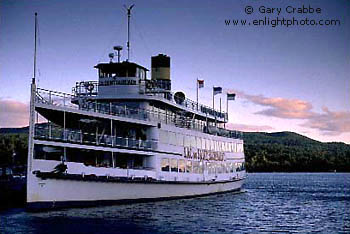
{"points": [[173, 165], [232, 167], [195, 167], [48, 152], [103, 159], [233, 147], [207, 144], [212, 167], [199, 142], [228, 167], [239, 147], [238, 166], [218, 168], [172, 138], [165, 164], [193, 141], [203, 143], [189, 166], [187, 141], [181, 165], [201, 167], [163, 137], [209, 167], [223, 166], [180, 139]]}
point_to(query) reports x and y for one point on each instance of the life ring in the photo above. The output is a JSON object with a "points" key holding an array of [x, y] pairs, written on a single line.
{"points": [[90, 87]]}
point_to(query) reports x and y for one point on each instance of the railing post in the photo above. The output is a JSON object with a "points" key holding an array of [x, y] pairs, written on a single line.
{"points": [[166, 116], [50, 130], [50, 97]]}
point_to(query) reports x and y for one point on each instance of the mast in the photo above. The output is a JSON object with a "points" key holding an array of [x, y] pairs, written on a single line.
{"points": [[35, 36], [128, 43], [32, 107]]}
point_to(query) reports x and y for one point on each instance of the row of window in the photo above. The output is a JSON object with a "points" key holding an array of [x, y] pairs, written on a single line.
{"points": [[198, 167], [172, 138]]}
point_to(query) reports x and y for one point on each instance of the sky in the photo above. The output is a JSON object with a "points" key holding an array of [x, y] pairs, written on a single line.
{"points": [[293, 78]]}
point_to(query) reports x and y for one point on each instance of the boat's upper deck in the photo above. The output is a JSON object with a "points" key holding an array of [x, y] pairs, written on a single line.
{"points": [[90, 90], [52, 101]]}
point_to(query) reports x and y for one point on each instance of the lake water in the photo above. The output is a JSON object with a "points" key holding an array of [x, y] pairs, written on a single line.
{"points": [[271, 202]]}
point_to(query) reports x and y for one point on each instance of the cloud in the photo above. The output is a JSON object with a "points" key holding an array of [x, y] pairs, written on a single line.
{"points": [[280, 107], [249, 128], [13, 113], [329, 122]]}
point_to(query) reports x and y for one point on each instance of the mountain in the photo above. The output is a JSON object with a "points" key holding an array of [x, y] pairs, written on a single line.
{"points": [[265, 152], [292, 152], [14, 130]]}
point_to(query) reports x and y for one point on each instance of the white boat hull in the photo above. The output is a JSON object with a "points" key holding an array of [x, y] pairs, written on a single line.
{"points": [[55, 193]]}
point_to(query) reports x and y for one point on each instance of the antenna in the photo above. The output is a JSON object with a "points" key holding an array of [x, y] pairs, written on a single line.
{"points": [[35, 29], [129, 14], [118, 49]]}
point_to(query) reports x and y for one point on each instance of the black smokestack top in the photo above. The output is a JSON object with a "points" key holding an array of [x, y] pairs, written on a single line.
{"points": [[161, 60]]}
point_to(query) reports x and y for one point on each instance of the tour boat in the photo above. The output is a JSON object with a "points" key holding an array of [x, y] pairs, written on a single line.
{"points": [[127, 138]]}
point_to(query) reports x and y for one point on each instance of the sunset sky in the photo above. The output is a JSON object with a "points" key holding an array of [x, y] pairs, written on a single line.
{"points": [[294, 78]]}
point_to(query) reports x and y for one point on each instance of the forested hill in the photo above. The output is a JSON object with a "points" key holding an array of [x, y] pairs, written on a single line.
{"points": [[265, 152], [291, 152]]}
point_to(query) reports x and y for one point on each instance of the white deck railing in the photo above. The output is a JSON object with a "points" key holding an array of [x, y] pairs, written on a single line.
{"points": [[55, 133]]}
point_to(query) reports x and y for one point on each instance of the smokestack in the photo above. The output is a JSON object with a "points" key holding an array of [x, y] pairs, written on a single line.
{"points": [[161, 71]]}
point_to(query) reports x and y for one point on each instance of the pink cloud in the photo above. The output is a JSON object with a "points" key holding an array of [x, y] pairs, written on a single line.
{"points": [[280, 107], [329, 122], [249, 128], [13, 113]]}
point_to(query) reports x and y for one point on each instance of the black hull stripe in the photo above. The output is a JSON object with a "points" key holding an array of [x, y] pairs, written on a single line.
{"points": [[105, 179]]}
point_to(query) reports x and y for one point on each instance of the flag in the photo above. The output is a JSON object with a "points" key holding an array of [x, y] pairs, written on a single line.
{"points": [[231, 96], [217, 90], [200, 83]]}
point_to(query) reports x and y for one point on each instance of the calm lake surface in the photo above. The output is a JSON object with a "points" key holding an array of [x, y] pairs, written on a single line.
{"points": [[272, 202]]}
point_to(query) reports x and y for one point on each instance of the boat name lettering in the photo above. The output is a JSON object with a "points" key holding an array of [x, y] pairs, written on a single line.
{"points": [[117, 82], [203, 155]]}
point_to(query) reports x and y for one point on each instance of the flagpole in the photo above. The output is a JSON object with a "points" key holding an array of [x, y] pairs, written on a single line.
{"points": [[213, 97], [197, 93], [226, 111], [214, 106], [220, 106]]}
